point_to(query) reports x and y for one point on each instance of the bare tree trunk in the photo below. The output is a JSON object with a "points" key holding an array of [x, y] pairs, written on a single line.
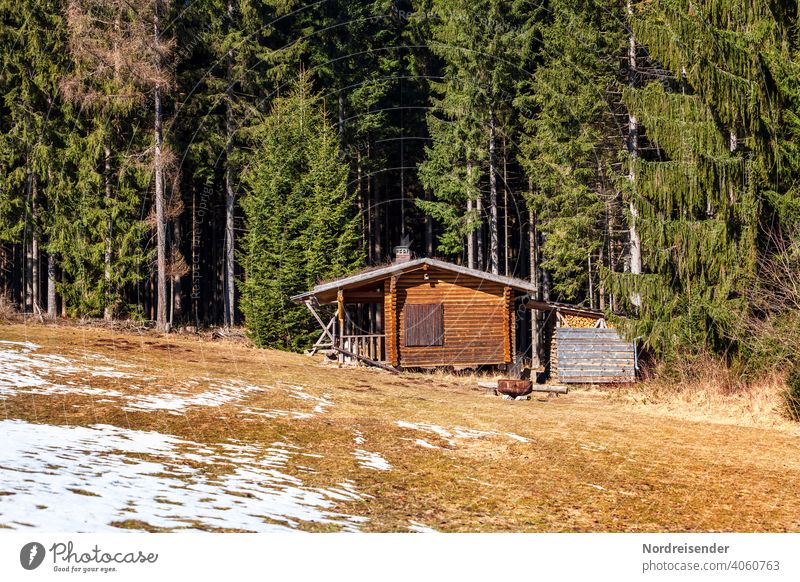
{"points": [[107, 310], [161, 218], [479, 230], [470, 207], [360, 198], [505, 209], [15, 275], [733, 145], [230, 201], [27, 266], [494, 246], [5, 274], [4, 280], [176, 311], [470, 238], [601, 287], [536, 340], [428, 229], [378, 214], [341, 118], [35, 259], [591, 282], [633, 149], [370, 210], [52, 308], [63, 301], [171, 302], [635, 250]]}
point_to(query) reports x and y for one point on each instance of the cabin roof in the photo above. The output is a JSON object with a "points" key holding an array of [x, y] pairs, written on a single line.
{"points": [[373, 275]]}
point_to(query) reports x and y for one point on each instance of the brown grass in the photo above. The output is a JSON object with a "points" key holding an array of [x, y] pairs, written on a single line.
{"points": [[7, 311], [710, 391], [595, 461]]}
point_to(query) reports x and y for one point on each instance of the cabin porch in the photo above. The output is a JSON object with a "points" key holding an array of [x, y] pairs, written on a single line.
{"points": [[354, 328]]}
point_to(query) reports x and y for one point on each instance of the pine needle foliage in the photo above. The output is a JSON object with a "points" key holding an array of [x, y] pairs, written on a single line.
{"points": [[712, 118], [565, 148], [301, 224]]}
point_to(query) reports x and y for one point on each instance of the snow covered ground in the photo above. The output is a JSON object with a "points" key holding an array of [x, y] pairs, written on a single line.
{"points": [[455, 435], [74, 478], [85, 479], [24, 369], [100, 477]]}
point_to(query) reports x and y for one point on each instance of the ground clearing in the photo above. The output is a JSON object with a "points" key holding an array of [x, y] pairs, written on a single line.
{"points": [[105, 430]]}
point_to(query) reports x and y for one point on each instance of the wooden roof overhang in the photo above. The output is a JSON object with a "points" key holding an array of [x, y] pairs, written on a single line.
{"points": [[367, 286]]}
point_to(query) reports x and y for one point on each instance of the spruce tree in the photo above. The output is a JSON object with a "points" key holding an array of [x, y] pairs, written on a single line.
{"points": [[118, 78], [482, 46], [35, 125], [700, 190], [569, 144], [301, 224]]}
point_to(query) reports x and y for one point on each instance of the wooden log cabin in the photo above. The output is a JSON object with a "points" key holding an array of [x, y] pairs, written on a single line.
{"points": [[428, 313]]}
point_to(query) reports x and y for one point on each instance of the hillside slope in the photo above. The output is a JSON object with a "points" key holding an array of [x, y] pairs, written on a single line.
{"points": [[144, 432]]}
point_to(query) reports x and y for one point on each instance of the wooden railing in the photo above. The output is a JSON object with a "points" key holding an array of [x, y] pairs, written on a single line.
{"points": [[369, 346]]}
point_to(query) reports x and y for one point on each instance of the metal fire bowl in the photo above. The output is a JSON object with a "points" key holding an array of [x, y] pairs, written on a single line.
{"points": [[514, 387]]}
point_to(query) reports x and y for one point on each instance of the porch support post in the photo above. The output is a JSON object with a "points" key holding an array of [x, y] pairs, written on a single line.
{"points": [[390, 321], [508, 324], [340, 316]]}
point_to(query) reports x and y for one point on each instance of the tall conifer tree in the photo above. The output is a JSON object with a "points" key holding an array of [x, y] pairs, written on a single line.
{"points": [[301, 224], [700, 190]]}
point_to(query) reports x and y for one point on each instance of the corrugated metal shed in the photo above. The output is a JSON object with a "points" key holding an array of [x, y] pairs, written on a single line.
{"points": [[592, 356]]}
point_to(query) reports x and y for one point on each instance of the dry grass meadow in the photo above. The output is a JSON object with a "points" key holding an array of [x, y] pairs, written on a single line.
{"points": [[444, 454]]}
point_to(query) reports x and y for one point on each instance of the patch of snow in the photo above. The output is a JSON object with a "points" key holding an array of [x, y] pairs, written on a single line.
{"points": [[169, 403], [21, 368], [216, 395], [25, 345], [298, 392], [276, 413], [359, 438], [370, 460], [417, 527], [81, 479], [432, 428], [458, 432], [175, 403], [425, 444], [469, 433]]}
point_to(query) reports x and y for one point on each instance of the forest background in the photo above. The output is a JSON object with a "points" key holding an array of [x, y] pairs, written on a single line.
{"points": [[197, 163]]}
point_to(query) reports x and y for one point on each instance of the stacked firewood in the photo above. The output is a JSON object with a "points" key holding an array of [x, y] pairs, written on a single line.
{"points": [[579, 321]]}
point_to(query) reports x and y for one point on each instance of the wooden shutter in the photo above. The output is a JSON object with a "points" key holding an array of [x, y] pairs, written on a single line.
{"points": [[424, 324]]}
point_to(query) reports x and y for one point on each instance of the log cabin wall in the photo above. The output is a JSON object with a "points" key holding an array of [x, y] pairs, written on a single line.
{"points": [[477, 319]]}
